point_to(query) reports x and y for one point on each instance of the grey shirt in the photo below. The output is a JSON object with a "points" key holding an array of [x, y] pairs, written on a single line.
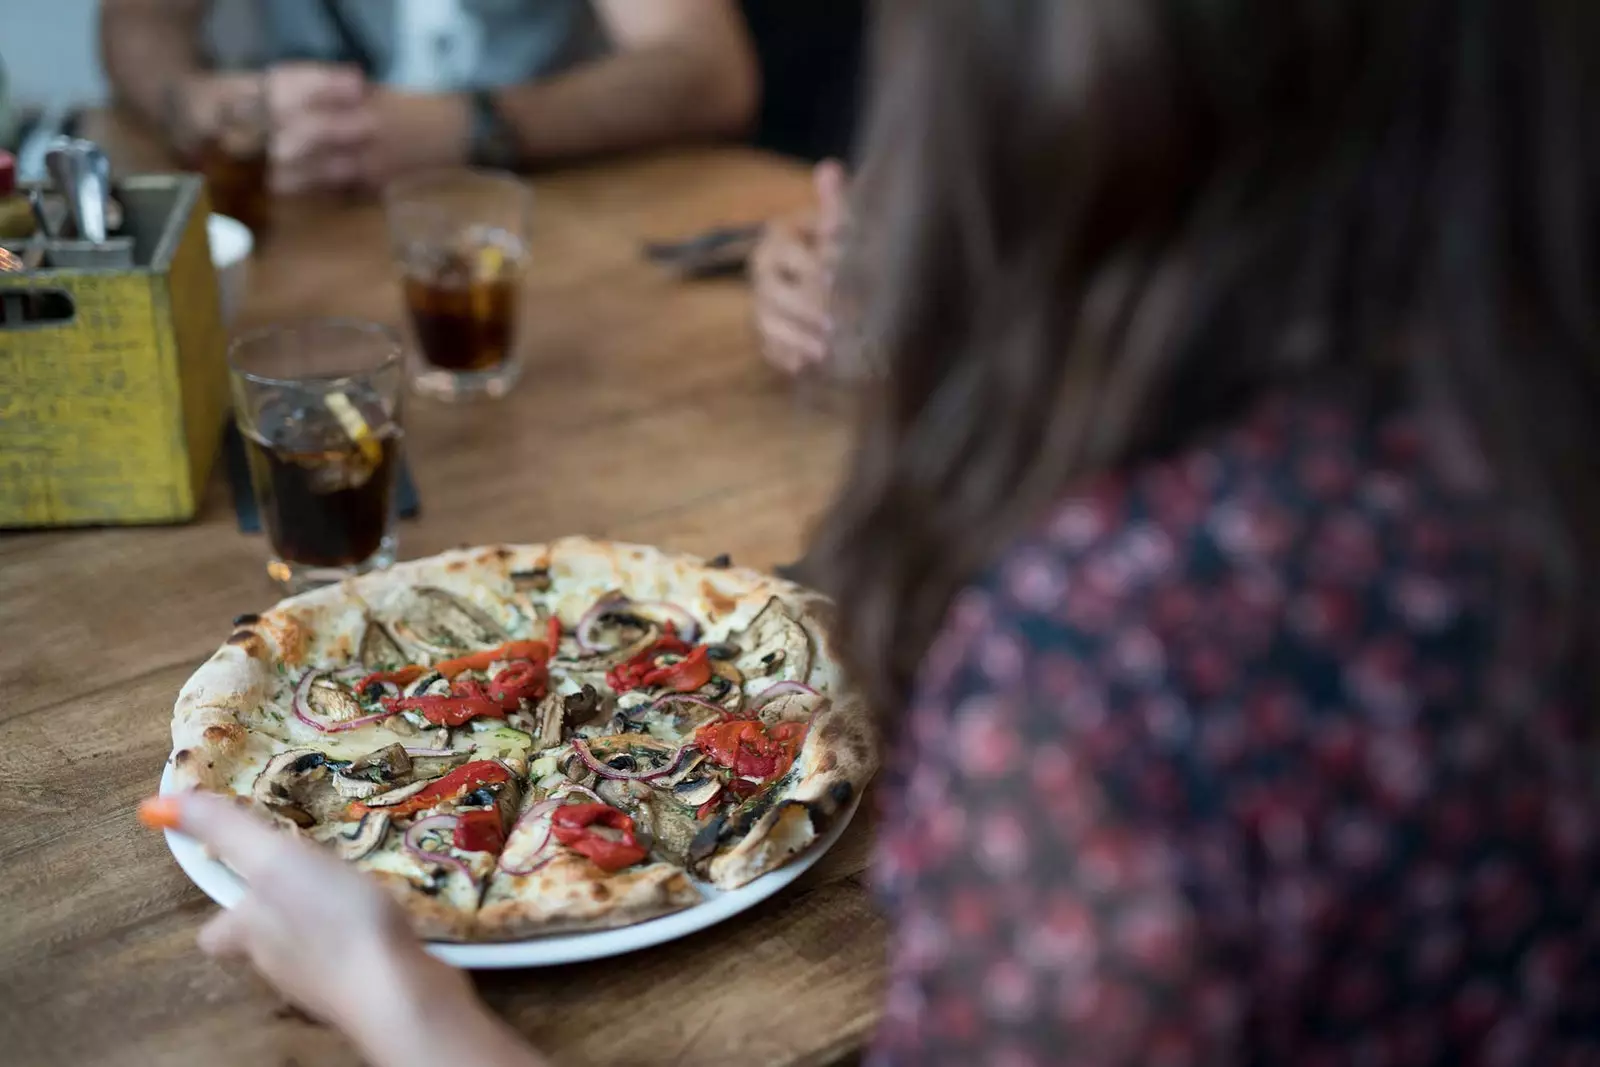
{"points": [[436, 45]]}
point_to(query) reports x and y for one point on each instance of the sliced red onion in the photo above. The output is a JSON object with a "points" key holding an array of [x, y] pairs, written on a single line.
{"points": [[422, 827], [680, 698], [778, 689], [574, 787], [347, 675], [303, 712], [431, 752], [687, 625], [580, 747], [591, 619], [535, 861]]}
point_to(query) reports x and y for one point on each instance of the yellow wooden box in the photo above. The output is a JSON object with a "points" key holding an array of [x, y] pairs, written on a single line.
{"points": [[113, 411]]}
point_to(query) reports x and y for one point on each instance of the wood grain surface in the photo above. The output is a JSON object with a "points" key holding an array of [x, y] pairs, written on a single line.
{"points": [[645, 415]]}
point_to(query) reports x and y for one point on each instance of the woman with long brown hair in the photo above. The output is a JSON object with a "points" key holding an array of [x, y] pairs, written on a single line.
{"points": [[1219, 547]]}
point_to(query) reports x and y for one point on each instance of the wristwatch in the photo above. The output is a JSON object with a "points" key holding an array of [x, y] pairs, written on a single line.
{"points": [[494, 143]]}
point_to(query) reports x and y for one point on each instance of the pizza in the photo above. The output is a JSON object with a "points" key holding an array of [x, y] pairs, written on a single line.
{"points": [[520, 740]]}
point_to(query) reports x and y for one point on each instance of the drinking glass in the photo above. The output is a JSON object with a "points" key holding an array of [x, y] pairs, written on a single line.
{"points": [[232, 154], [460, 239], [318, 405]]}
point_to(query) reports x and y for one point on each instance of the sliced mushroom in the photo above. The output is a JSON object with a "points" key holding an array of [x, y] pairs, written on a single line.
{"points": [[775, 645], [296, 784], [508, 801], [581, 706], [577, 771], [379, 649], [431, 684], [443, 624], [431, 767], [726, 686], [694, 792], [354, 841], [395, 796], [333, 702], [401, 725], [706, 841], [690, 764], [355, 788], [620, 793], [790, 707], [548, 716], [383, 765]]}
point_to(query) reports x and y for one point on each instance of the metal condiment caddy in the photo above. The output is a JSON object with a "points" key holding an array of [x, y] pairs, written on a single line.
{"points": [[113, 383]]}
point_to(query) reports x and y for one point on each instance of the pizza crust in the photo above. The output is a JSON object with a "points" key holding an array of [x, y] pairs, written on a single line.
{"points": [[570, 893]]}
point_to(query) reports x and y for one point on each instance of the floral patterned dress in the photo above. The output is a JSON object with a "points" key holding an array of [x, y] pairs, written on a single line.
{"points": [[1259, 755]]}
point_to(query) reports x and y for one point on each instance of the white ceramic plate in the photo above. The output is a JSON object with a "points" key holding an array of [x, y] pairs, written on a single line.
{"points": [[225, 887]]}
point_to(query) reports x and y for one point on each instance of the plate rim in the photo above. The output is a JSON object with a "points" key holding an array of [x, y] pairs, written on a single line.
{"points": [[224, 887]]}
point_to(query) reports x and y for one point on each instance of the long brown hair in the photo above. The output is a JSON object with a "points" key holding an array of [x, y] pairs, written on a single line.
{"points": [[1094, 229]]}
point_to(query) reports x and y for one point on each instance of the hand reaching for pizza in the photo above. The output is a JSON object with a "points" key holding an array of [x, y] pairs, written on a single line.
{"points": [[792, 272], [329, 939]]}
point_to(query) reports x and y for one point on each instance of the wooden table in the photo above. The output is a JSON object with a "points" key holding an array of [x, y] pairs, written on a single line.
{"points": [[644, 415]]}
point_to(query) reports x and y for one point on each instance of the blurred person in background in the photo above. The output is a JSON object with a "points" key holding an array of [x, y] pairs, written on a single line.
{"points": [[1219, 548], [359, 91]]}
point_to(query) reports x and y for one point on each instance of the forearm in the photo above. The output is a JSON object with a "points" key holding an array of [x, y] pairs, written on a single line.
{"points": [[632, 99], [424, 1014], [149, 48]]}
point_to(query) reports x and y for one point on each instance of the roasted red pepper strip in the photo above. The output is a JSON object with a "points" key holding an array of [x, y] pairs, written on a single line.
{"points": [[685, 676], [480, 831], [462, 780], [552, 634], [467, 701], [519, 681], [536, 651], [573, 826], [630, 675], [744, 747], [400, 676]]}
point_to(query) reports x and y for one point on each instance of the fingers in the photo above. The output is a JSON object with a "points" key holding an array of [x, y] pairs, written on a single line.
{"points": [[297, 87], [789, 346], [244, 842], [792, 290], [831, 182], [322, 125]]}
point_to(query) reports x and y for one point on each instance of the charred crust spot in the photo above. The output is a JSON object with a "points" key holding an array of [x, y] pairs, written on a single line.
{"points": [[721, 562], [502, 553], [456, 565], [828, 762], [841, 792], [249, 618], [601, 892], [830, 730], [241, 637], [180, 757], [718, 601], [223, 733]]}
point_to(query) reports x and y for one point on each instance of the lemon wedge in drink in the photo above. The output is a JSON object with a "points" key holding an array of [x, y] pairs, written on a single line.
{"points": [[355, 427]]}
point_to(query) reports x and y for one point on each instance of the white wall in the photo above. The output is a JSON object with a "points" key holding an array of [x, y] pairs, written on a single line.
{"points": [[49, 48]]}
